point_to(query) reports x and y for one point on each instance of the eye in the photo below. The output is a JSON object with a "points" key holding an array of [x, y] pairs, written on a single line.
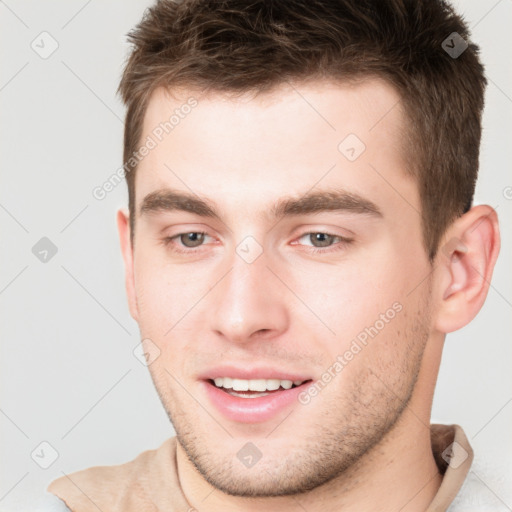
{"points": [[192, 239], [323, 242], [185, 242], [319, 239], [319, 242]]}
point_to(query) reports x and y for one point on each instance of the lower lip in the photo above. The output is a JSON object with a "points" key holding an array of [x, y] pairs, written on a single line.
{"points": [[252, 410]]}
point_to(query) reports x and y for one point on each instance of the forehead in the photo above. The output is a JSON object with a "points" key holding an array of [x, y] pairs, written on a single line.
{"points": [[247, 150], [362, 105]]}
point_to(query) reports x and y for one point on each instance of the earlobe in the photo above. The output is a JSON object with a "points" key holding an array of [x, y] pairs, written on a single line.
{"points": [[123, 226], [466, 260]]}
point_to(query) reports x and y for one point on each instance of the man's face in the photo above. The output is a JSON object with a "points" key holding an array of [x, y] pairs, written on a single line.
{"points": [[280, 293]]}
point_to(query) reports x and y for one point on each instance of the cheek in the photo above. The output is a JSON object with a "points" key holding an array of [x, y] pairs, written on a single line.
{"points": [[165, 294], [377, 371], [352, 297], [376, 319], [169, 301]]}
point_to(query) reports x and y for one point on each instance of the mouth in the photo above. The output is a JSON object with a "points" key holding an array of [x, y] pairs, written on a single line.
{"points": [[254, 388], [253, 400]]}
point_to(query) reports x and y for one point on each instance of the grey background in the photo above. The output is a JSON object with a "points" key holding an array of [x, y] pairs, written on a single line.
{"points": [[68, 373]]}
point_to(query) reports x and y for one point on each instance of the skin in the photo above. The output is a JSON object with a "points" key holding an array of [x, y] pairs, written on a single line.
{"points": [[294, 309]]}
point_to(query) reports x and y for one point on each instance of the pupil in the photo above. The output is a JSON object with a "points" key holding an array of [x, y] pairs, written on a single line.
{"points": [[192, 239], [322, 238]]}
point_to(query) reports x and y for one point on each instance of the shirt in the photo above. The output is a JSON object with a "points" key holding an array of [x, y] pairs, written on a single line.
{"points": [[150, 481]]}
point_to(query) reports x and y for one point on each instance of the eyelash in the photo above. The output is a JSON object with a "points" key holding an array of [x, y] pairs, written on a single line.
{"points": [[343, 242]]}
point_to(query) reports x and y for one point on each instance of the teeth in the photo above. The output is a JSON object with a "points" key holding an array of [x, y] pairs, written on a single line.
{"points": [[260, 385], [273, 384], [240, 385], [286, 384], [254, 384]]}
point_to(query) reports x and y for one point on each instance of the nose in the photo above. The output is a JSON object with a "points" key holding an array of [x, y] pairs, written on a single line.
{"points": [[249, 303]]}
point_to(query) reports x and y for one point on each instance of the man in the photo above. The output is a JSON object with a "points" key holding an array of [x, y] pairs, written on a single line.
{"points": [[299, 241]]}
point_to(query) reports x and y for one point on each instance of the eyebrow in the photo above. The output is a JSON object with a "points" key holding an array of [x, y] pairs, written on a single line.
{"points": [[342, 201]]}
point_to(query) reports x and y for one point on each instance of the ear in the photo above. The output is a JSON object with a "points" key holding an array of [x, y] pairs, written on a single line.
{"points": [[465, 262], [123, 226]]}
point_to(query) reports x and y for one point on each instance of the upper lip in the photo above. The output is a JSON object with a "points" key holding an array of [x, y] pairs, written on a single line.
{"points": [[261, 372]]}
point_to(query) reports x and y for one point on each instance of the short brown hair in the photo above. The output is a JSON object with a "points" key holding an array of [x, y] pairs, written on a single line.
{"points": [[236, 46]]}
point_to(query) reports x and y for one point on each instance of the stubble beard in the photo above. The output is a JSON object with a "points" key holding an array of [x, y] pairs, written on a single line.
{"points": [[351, 425]]}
